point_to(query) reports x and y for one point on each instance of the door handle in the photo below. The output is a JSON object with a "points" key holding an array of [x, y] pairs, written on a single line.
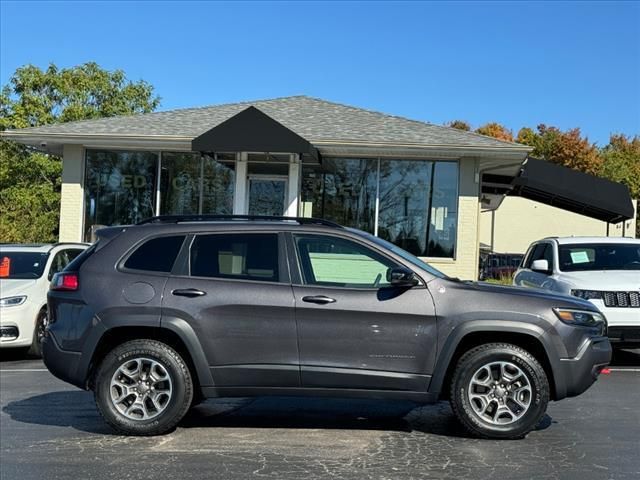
{"points": [[188, 292], [319, 299]]}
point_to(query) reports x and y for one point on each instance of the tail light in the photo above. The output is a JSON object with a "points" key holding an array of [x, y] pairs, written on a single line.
{"points": [[67, 281]]}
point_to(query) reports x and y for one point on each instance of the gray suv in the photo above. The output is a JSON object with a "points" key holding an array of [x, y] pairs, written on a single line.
{"points": [[158, 316]]}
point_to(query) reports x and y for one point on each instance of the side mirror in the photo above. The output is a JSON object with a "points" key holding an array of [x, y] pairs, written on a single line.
{"points": [[401, 277], [541, 266]]}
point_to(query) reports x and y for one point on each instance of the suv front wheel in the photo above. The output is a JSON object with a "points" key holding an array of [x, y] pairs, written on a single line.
{"points": [[143, 387], [499, 390]]}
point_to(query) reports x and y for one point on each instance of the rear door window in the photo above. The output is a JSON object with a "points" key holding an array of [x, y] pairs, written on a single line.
{"points": [[156, 255], [240, 256]]}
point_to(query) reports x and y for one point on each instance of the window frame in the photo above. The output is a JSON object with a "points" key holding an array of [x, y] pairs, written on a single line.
{"points": [[297, 269], [182, 267]]}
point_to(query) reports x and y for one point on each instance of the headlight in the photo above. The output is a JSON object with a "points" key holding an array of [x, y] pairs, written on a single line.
{"points": [[582, 318], [586, 294], [12, 301]]}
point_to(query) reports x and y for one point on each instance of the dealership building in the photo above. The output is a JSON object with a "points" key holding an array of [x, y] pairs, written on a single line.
{"points": [[418, 185]]}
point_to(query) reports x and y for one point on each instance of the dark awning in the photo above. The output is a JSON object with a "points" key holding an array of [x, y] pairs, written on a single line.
{"points": [[574, 191], [251, 130]]}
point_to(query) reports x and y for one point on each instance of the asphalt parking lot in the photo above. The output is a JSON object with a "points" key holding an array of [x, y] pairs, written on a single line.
{"points": [[51, 430]]}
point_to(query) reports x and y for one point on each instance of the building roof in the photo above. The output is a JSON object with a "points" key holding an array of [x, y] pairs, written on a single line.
{"points": [[318, 121]]}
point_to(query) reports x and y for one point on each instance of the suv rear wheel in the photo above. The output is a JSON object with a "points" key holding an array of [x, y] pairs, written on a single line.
{"points": [[499, 390], [143, 387]]}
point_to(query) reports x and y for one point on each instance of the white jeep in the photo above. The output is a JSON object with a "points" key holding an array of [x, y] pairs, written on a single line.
{"points": [[604, 270]]}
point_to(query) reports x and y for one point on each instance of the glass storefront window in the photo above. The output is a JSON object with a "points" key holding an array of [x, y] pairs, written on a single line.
{"points": [[443, 221], [343, 191], [417, 200], [218, 185], [404, 203], [182, 191], [119, 188]]}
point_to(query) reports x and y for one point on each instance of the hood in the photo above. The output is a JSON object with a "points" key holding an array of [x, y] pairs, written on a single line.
{"points": [[548, 295], [11, 287], [603, 279]]}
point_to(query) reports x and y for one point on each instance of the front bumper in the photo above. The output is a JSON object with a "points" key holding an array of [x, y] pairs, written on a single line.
{"points": [[21, 318], [625, 336], [575, 375], [64, 364]]}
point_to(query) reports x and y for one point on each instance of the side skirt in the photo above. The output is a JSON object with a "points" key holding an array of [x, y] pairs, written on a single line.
{"points": [[220, 392]]}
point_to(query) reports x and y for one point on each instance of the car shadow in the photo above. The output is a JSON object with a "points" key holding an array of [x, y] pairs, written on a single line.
{"points": [[76, 409]]}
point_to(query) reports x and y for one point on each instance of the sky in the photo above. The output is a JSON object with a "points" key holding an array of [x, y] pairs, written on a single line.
{"points": [[573, 64]]}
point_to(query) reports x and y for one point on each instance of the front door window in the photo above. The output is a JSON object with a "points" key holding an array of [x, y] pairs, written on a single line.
{"points": [[267, 195]]}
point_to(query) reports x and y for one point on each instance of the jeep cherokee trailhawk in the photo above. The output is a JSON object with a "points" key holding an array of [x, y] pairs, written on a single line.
{"points": [[158, 316]]}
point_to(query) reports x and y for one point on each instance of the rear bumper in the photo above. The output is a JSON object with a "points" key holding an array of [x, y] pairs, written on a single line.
{"points": [[575, 375], [64, 364]]}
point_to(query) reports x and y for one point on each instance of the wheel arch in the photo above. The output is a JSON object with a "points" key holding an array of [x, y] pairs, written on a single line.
{"points": [[529, 337], [181, 339]]}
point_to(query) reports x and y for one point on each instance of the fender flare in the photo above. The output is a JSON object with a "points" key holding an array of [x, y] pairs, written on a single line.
{"points": [[488, 326]]}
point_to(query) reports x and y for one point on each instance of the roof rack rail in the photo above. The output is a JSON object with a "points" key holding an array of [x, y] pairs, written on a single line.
{"points": [[218, 218]]}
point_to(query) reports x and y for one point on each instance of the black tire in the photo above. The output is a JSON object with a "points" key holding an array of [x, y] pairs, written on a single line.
{"points": [[35, 350], [176, 407], [482, 355]]}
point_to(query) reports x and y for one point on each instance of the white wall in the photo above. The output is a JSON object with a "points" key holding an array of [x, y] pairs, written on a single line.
{"points": [[519, 222]]}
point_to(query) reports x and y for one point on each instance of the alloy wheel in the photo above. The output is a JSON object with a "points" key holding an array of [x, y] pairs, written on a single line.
{"points": [[141, 388], [500, 393]]}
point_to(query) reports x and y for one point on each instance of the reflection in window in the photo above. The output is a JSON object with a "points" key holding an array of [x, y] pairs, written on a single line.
{"points": [[181, 188], [417, 200], [404, 203], [343, 190], [119, 188], [218, 183]]}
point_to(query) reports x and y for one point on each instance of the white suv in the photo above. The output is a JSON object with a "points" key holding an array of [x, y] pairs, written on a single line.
{"points": [[604, 270], [25, 273]]}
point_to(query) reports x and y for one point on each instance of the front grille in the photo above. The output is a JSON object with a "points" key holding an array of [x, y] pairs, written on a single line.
{"points": [[621, 299]]}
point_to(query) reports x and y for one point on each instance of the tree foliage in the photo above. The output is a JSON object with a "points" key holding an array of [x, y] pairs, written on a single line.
{"points": [[566, 148], [30, 181], [460, 125], [496, 130]]}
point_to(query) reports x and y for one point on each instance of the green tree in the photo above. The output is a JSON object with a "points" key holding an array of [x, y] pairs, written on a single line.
{"points": [[29, 180], [496, 130], [621, 163], [566, 148]]}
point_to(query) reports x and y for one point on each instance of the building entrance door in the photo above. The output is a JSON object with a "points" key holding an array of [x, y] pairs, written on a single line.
{"points": [[267, 195]]}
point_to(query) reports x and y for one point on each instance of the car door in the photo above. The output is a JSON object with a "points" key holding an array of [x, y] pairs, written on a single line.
{"points": [[354, 329], [234, 291]]}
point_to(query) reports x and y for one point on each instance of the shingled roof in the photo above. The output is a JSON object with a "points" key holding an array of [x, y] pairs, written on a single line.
{"points": [[314, 119]]}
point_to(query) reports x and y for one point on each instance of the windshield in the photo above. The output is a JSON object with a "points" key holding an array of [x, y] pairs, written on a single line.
{"points": [[404, 254], [598, 256], [22, 265]]}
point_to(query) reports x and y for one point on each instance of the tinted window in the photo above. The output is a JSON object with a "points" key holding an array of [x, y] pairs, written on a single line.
{"points": [[335, 261], [156, 255], [581, 257], [22, 265], [61, 260], [252, 256]]}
